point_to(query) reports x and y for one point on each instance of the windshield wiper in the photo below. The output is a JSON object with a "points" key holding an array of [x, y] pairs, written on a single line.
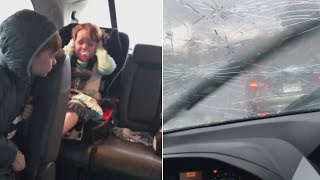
{"points": [[304, 100], [211, 84]]}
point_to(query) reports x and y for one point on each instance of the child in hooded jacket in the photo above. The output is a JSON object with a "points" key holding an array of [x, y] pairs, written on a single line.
{"points": [[28, 45]]}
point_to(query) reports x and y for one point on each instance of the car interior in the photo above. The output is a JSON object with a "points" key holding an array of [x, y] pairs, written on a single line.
{"points": [[135, 84], [43, 131], [113, 155], [279, 146], [284, 147]]}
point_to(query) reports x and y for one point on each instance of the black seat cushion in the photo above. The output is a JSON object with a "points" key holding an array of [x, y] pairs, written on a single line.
{"points": [[123, 157], [46, 122], [140, 104]]}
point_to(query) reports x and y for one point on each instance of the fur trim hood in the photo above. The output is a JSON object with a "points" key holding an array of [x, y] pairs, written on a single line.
{"points": [[106, 64]]}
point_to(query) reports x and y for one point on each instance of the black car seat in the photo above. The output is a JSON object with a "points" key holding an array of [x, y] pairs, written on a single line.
{"points": [[46, 123], [139, 110], [140, 104], [73, 153], [117, 46]]}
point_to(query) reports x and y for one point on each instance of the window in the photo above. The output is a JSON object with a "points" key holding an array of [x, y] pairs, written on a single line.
{"points": [[235, 60], [141, 19], [10, 7], [95, 11]]}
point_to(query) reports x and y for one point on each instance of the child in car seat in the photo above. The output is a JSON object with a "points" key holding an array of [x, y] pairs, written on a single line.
{"points": [[89, 62]]}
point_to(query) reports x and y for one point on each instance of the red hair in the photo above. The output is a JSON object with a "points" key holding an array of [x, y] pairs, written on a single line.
{"points": [[95, 32]]}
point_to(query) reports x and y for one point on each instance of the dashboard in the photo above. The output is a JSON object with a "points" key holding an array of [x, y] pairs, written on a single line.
{"points": [[275, 148], [203, 169]]}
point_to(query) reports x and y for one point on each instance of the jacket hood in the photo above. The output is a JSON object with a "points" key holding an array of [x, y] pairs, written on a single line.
{"points": [[106, 64], [21, 36]]}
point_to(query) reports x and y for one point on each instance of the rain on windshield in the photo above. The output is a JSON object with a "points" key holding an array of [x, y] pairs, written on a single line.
{"points": [[264, 55]]}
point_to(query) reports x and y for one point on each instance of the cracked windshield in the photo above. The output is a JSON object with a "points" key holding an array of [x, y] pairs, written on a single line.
{"points": [[227, 60]]}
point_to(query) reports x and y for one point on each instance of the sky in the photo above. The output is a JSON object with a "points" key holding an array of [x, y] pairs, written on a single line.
{"points": [[10, 8], [140, 19]]}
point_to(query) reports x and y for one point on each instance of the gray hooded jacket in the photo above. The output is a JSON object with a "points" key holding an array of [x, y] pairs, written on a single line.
{"points": [[21, 36]]}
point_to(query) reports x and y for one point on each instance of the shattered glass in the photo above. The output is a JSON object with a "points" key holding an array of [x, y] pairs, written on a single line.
{"points": [[228, 60]]}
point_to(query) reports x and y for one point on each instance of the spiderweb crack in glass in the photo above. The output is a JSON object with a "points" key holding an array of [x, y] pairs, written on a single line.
{"points": [[202, 38]]}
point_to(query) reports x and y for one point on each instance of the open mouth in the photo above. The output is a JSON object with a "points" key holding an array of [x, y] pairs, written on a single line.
{"points": [[84, 53]]}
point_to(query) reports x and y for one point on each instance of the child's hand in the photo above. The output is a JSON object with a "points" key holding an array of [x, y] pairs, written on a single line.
{"points": [[60, 55], [28, 109], [69, 49], [105, 35], [100, 47], [19, 163]]}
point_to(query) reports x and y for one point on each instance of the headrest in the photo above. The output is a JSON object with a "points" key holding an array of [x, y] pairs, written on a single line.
{"points": [[147, 54], [112, 43], [65, 33]]}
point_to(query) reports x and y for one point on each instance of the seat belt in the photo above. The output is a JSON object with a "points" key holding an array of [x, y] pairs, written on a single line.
{"points": [[113, 16]]}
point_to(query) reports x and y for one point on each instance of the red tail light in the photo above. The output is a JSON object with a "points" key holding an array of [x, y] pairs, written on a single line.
{"points": [[253, 84], [263, 114]]}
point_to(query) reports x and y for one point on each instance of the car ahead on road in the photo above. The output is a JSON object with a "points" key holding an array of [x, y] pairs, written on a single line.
{"points": [[134, 90], [272, 92]]}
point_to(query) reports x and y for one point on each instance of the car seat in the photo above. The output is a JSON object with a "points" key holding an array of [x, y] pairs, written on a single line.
{"points": [[78, 153], [44, 127], [117, 46], [139, 110]]}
